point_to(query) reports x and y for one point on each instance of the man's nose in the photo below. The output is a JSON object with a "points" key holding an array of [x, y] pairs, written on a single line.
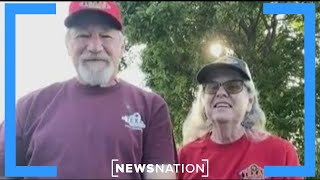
{"points": [[95, 44]]}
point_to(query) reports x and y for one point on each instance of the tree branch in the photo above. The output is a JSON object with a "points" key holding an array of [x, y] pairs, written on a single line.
{"points": [[274, 24], [266, 46], [265, 22], [243, 25], [258, 17]]}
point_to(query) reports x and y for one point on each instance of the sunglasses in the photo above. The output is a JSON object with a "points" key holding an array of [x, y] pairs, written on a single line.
{"points": [[232, 86]]}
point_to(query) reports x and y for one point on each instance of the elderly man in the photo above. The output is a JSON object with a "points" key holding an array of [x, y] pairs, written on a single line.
{"points": [[84, 124]]}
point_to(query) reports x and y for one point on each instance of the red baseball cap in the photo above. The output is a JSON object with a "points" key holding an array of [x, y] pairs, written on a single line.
{"points": [[108, 9]]}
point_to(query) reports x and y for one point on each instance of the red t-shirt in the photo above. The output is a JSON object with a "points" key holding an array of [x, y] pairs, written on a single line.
{"points": [[243, 159]]}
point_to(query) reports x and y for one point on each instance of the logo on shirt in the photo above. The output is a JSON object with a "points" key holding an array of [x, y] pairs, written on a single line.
{"points": [[252, 172], [134, 121]]}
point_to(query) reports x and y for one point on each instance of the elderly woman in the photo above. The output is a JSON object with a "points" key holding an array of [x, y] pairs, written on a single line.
{"points": [[226, 126]]}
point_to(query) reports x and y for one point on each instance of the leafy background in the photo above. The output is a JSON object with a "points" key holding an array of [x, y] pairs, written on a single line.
{"points": [[177, 36]]}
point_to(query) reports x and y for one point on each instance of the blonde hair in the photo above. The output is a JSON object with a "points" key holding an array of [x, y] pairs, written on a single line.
{"points": [[196, 124]]}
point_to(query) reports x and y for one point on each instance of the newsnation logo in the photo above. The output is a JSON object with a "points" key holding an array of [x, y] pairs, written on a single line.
{"points": [[159, 168]]}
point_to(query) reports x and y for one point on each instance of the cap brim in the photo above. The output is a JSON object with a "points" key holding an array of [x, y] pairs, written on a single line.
{"points": [[205, 71], [79, 17]]}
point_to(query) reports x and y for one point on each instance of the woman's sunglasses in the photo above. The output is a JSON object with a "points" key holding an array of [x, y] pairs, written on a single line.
{"points": [[232, 86]]}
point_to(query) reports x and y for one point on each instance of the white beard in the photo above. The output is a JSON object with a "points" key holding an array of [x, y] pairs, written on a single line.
{"points": [[91, 73]]}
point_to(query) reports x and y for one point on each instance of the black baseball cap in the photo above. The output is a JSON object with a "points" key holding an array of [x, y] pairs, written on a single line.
{"points": [[224, 62]]}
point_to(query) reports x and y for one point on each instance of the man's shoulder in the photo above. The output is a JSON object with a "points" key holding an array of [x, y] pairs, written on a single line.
{"points": [[144, 93], [41, 94]]}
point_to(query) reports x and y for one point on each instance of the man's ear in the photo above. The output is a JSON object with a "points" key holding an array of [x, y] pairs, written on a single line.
{"points": [[67, 47], [123, 46], [67, 41]]}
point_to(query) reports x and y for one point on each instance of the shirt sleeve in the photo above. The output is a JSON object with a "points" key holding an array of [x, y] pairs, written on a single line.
{"points": [[292, 159], [19, 142], [21, 117], [159, 144], [181, 159], [2, 149]]}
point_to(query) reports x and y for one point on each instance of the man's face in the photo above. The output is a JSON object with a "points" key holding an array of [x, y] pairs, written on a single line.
{"points": [[96, 51]]}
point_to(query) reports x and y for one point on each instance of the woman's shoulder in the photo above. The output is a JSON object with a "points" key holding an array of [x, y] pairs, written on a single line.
{"points": [[277, 140], [284, 147], [279, 143], [197, 143]]}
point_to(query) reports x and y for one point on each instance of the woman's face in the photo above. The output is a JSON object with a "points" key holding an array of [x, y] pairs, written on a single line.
{"points": [[229, 102]]}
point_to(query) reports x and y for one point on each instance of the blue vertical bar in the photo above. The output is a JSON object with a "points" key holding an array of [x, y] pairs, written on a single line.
{"points": [[11, 170], [308, 10]]}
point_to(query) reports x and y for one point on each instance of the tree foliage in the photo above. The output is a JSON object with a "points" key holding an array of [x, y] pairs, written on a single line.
{"points": [[178, 34]]}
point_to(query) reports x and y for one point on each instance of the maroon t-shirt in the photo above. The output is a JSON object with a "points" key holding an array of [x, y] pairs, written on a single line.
{"points": [[80, 129]]}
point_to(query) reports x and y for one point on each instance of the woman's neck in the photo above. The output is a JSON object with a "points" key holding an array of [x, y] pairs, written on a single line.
{"points": [[226, 133]]}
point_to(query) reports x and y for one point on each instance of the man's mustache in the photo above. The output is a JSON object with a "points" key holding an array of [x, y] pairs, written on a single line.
{"points": [[95, 58]]}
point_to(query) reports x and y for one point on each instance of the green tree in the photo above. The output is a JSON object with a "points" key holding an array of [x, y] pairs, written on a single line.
{"points": [[178, 34]]}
